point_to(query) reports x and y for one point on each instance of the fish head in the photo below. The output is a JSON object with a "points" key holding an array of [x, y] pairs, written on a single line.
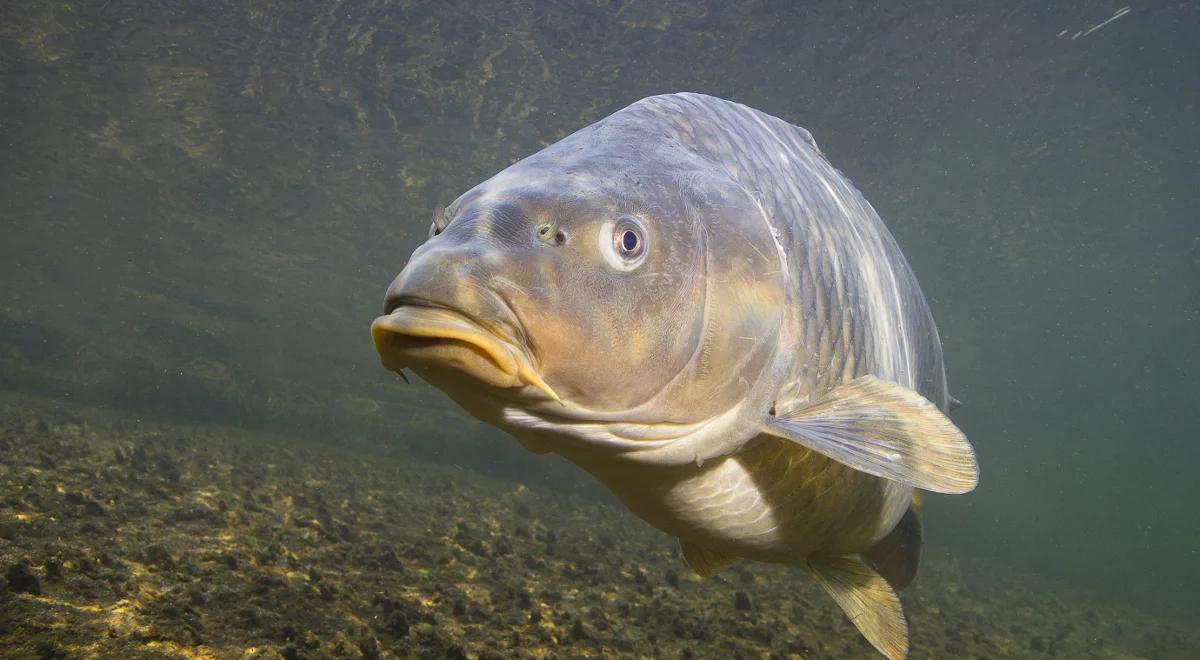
{"points": [[626, 297]]}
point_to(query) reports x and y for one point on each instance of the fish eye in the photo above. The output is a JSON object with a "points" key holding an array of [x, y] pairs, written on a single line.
{"points": [[628, 240], [627, 249]]}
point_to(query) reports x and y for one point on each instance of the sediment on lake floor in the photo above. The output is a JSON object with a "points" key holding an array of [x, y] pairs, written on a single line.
{"points": [[129, 538]]}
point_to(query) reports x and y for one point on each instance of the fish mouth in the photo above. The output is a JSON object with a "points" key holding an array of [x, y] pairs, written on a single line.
{"points": [[437, 341]]}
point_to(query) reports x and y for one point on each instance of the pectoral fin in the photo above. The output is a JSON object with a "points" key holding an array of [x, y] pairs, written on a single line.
{"points": [[704, 561], [867, 600], [886, 430]]}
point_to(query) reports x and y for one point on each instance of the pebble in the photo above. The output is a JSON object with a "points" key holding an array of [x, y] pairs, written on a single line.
{"points": [[22, 579], [741, 601]]}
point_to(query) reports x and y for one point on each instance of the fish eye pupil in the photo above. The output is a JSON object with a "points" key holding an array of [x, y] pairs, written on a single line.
{"points": [[629, 240]]}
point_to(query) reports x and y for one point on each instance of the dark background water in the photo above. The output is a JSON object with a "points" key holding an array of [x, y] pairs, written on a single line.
{"points": [[201, 204]]}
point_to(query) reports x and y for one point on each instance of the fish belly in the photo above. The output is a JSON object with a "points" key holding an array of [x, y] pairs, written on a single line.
{"points": [[772, 502]]}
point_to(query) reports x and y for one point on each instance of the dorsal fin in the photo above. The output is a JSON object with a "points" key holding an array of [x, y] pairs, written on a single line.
{"points": [[897, 555]]}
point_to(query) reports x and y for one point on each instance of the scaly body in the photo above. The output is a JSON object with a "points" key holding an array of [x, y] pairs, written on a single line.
{"points": [[686, 300], [859, 311]]}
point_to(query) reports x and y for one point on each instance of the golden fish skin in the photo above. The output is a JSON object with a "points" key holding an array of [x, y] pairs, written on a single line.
{"points": [[690, 303]]}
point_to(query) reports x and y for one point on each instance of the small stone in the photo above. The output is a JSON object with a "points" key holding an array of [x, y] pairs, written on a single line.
{"points": [[741, 601], [47, 650], [54, 569], [369, 648], [22, 579], [578, 632], [158, 555]]}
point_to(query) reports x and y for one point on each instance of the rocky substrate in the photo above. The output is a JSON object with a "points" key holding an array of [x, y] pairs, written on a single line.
{"points": [[137, 539]]}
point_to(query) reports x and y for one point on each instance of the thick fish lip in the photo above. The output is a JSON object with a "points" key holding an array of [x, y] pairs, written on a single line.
{"points": [[418, 332]]}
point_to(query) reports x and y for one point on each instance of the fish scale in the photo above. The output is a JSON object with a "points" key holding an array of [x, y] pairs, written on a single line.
{"points": [[728, 338], [811, 210]]}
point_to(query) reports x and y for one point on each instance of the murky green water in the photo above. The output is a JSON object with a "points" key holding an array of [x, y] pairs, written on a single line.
{"points": [[201, 205]]}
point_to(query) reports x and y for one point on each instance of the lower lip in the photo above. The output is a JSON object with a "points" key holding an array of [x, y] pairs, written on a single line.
{"points": [[431, 339]]}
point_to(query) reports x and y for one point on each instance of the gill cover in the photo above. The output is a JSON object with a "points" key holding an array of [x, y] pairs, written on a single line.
{"points": [[645, 283]]}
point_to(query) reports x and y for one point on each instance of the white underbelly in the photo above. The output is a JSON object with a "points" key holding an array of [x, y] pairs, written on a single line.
{"points": [[725, 506]]}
